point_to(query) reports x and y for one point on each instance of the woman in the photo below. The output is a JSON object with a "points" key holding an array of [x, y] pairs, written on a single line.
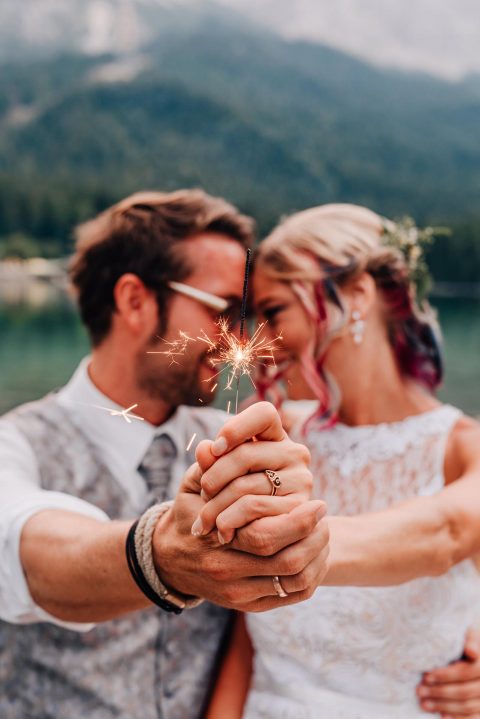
{"points": [[337, 282]]}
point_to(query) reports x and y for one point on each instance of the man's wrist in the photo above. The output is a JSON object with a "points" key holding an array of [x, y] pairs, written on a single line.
{"points": [[145, 571]]}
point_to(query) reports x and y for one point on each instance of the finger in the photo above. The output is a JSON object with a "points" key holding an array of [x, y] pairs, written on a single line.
{"points": [[292, 482], [253, 457], [203, 454], [460, 691], [251, 507], [305, 582], [260, 420], [467, 708], [472, 644], [191, 479], [456, 672], [223, 564], [270, 535]]}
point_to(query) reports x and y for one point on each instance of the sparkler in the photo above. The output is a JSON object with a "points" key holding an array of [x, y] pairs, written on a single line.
{"points": [[125, 413], [238, 356], [175, 348], [192, 439]]}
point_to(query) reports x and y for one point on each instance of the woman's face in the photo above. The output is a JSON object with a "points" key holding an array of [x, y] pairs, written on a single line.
{"points": [[278, 306]]}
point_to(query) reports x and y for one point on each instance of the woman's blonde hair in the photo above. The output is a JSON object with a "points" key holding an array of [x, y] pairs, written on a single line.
{"points": [[322, 248]]}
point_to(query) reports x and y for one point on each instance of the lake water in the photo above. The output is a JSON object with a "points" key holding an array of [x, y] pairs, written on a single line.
{"points": [[42, 340]]}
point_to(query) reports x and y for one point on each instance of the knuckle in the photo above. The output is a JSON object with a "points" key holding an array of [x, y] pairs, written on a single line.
{"points": [[208, 484], [268, 411], [212, 567], [259, 543], [254, 503], [291, 564]]}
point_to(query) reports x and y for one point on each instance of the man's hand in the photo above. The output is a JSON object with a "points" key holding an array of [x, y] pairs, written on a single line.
{"points": [[454, 691], [284, 535]]}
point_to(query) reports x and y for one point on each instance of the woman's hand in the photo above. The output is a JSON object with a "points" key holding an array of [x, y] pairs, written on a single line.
{"points": [[454, 691]]}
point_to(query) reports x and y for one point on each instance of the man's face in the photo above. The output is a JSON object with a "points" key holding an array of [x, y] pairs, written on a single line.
{"points": [[218, 264]]}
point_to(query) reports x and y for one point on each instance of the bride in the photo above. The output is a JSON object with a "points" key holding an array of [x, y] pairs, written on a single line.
{"points": [[338, 283]]}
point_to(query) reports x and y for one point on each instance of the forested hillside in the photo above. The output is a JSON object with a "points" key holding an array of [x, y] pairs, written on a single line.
{"points": [[274, 126]]}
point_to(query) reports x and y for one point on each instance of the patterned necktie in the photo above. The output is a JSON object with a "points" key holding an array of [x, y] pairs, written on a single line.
{"points": [[156, 468]]}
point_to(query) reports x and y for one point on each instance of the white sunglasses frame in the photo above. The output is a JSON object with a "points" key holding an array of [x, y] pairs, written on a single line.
{"points": [[219, 304]]}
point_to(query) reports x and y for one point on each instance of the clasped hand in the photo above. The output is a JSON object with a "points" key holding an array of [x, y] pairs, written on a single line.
{"points": [[242, 536]]}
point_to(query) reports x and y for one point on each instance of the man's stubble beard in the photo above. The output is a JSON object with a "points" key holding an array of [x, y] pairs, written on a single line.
{"points": [[173, 382]]}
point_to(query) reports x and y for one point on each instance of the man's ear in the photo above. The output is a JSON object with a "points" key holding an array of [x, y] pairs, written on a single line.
{"points": [[135, 304], [361, 293]]}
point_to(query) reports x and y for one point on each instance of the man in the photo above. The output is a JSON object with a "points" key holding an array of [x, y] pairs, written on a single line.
{"points": [[73, 477]]}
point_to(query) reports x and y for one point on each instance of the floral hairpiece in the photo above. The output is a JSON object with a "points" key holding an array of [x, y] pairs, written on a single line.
{"points": [[411, 241]]}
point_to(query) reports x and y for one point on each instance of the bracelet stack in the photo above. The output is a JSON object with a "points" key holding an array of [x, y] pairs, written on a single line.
{"points": [[140, 562]]}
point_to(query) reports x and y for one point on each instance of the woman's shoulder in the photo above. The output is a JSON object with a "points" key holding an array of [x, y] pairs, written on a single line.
{"points": [[462, 453]]}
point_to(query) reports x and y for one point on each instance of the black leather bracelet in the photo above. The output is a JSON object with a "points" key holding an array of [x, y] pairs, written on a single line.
{"points": [[139, 577]]}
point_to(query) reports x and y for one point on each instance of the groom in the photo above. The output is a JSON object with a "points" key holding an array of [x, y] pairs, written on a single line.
{"points": [[73, 642]]}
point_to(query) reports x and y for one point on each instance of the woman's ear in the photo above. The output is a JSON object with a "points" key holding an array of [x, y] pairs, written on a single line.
{"points": [[361, 294], [135, 305]]}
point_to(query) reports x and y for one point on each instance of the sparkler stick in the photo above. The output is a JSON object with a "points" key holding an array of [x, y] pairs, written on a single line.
{"points": [[243, 313]]}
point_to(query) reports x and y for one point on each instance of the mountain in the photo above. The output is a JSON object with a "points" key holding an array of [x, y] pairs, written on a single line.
{"points": [[208, 99]]}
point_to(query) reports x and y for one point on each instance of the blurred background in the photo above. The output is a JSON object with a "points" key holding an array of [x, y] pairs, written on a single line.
{"points": [[276, 105]]}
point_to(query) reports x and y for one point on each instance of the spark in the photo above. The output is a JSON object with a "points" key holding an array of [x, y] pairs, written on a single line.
{"points": [[238, 356], [228, 406], [191, 441], [176, 347], [125, 413], [214, 387]]}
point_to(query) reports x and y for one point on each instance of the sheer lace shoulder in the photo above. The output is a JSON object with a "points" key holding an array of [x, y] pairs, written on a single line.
{"points": [[367, 468]]}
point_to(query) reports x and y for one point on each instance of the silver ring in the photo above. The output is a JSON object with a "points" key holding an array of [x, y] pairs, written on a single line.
{"points": [[277, 585], [274, 480]]}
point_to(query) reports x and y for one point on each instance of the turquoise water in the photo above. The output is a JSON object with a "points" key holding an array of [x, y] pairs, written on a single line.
{"points": [[42, 343]]}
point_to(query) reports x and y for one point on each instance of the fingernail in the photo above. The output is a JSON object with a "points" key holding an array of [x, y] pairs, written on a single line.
{"points": [[428, 705], [197, 527], [219, 446], [204, 495], [429, 679], [221, 538], [423, 691]]}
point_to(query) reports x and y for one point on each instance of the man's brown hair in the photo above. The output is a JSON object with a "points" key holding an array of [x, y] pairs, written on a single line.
{"points": [[143, 235]]}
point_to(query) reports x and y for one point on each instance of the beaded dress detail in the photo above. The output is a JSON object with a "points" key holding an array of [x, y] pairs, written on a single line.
{"points": [[356, 652]]}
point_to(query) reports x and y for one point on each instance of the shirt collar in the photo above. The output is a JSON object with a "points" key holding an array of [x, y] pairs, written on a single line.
{"points": [[128, 441]]}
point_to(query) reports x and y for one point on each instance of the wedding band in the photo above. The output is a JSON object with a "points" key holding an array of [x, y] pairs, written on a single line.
{"points": [[274, 480], [277, 585]]}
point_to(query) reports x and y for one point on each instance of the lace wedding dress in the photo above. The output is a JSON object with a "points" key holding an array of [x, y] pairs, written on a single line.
{"points": [[358, 653]]}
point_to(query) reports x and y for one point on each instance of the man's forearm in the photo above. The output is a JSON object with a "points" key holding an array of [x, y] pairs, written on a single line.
{"points": [[411, 540], [75, 567]]}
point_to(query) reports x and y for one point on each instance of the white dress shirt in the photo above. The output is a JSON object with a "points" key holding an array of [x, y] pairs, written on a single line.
{"points": [[122, 447]]}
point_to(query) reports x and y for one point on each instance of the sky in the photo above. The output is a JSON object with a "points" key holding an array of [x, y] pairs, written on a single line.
{"points": [[441, 37]]}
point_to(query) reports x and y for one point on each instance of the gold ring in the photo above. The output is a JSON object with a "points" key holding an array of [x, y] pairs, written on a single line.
{"points": [[274, 480], [277, 585]]}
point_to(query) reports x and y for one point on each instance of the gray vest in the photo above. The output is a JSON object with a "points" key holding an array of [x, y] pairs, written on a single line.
{"points": [[147, 665]]}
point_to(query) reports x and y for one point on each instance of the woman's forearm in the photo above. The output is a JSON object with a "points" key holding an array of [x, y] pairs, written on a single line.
{"points": [[419, 538]]}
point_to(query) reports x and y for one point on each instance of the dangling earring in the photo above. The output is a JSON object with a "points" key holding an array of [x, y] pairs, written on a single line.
{"points": [[357, 327]]}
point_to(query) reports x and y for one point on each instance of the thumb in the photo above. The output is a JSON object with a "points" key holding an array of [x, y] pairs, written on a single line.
{"points": [[204, 456], [472, 644]]}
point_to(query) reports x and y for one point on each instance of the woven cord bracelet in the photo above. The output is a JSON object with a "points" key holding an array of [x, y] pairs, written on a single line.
{"points": [[140, 562]]}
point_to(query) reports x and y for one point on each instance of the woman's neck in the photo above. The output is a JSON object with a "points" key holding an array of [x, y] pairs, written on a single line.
{"points": [[373, 389]]}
